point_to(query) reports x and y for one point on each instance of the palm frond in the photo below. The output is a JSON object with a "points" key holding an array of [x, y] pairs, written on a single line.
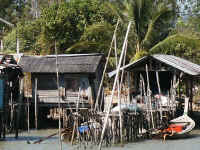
{"points": [[81, 47], [151, 34], [168, 46], [113, 7]]}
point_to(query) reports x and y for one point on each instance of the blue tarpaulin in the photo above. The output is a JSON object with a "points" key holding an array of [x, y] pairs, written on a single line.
{"points": [[1, 93], [83, 129]]}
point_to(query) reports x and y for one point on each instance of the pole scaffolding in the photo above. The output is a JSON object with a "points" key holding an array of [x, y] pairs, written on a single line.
{"points": [[104, 71], [115, 82]]}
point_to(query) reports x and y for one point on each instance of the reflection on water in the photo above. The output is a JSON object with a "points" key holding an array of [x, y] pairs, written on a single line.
{"points": [[10, 143]]}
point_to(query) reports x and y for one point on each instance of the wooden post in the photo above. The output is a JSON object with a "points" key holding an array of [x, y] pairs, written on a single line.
{"points": [[187, 88], [160, 103], [20, 100], [36, 107], [191, 94], [28, 115], [119, 104], [158, 82], [129, 85], [149, 95], [11, 104], [1, 46]]}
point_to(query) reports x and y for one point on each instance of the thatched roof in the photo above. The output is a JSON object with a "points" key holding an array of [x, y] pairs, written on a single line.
{"points": [[74, 63]]}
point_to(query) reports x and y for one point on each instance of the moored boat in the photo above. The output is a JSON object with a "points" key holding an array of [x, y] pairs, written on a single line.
{"points": [[181, 125]]}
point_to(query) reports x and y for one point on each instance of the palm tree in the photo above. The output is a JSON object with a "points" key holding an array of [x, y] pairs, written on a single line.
{"points": [[152, 20]]}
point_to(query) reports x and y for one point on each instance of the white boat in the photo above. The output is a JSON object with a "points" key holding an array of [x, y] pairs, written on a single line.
{"points": [[181, 125], [185, 121]]}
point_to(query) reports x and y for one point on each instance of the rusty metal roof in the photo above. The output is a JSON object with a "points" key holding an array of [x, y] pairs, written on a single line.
{"points": [[178, 63], [77, 63]]}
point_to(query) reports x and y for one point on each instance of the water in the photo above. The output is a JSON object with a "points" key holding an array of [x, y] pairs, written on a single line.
{"points": [[189, 143]]}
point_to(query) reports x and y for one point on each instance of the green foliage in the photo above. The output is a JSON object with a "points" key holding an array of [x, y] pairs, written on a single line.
{"points": [[96, 37], [152, 21], [28, 32], [66, 22], [10, 41], [179, 45], [11, 10], [139, 55], [86, 26]]}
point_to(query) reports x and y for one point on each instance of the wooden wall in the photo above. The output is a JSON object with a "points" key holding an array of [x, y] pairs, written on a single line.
{"points": [[71, 85]]}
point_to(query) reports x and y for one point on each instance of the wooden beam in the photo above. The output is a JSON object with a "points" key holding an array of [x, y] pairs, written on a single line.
{"points": [[36, 107]]}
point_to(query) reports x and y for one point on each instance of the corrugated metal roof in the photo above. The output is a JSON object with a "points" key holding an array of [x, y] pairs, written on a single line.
{"points": [[170, 60], [78, 63], [179, 63]]}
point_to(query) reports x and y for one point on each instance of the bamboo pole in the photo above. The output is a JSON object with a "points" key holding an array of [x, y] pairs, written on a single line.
{"points": [[146, 98], [149, 95], [173, 94], [115, 81], [28, 107], [118, 88], [45, 138], [158, 83], [104, 71], [59, 106], [124, 61], [1, 46]]}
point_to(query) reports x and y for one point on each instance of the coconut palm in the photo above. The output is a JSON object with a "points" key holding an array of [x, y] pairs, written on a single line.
{"points": [[152, 20]]}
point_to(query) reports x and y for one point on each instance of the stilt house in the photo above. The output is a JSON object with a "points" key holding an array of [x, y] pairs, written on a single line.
{"points": [[165, 72], [78, 78]]}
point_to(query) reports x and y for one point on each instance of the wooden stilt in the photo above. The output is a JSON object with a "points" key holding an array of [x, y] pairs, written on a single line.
{"points": [[160, 103], [191, 94], [28, 115], [0, 124], [149, 95], [129, 87], [36, 106], [20, 101]]}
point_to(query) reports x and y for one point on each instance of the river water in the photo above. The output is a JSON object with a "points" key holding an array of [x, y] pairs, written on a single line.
{"points": [[192, 142]]}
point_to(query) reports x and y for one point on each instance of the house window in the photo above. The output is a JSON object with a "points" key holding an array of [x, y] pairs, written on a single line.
{"points": [[47, 83], [72, 86]]}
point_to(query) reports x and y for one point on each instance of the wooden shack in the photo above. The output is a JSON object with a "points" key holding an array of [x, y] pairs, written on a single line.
{"points": [[167, 70], [79, 74]]}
